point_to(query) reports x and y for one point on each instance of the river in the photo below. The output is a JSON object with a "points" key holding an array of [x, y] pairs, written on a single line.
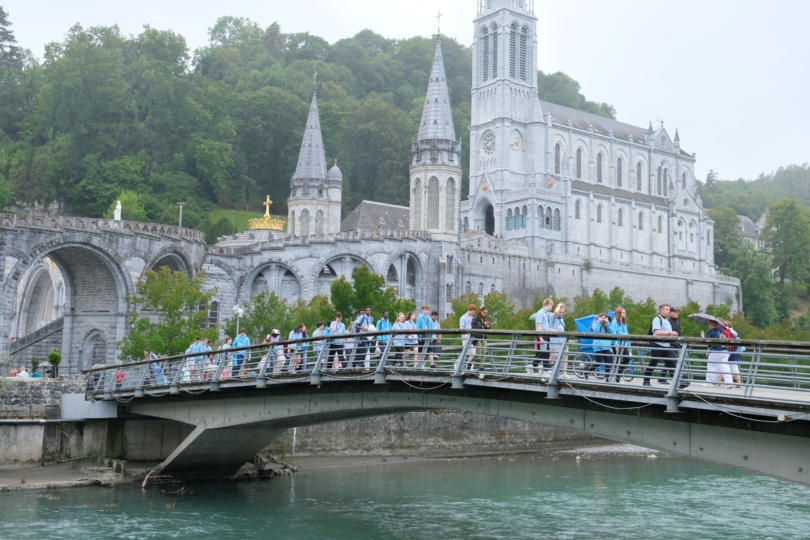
{"points": [[632, 497]]}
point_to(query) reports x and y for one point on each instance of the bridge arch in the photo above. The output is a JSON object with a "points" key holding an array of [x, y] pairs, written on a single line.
{"points": [[96, 286]]}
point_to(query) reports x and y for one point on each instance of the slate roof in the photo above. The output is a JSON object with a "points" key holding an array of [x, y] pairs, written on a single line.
{"points": [[370, 215], [312, 158], [619, 193], [746, 227], [601, 125], [437, 117]]}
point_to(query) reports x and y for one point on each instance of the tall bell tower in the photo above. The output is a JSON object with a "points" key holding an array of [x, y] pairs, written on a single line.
{"points": [[436, 166], [504, 93]]}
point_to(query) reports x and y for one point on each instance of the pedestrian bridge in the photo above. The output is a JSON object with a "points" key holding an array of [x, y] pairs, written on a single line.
{"points": [[235, 403]]}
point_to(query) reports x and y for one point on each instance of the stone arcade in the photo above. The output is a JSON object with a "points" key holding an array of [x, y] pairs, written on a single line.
{"points": [[560, 202]]}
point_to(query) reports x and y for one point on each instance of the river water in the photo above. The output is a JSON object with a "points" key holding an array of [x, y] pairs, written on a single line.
{"points": [[603, 497]]}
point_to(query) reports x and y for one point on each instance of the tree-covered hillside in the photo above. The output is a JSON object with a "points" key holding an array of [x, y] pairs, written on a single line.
{"points": [[103, 113], [751, 197]]}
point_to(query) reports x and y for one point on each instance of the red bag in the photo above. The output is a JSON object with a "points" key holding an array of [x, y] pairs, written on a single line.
{"points": [[728, 335]]}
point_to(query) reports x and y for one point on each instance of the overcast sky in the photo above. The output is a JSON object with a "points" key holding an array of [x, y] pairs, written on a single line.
{"points": [[731, 75]]}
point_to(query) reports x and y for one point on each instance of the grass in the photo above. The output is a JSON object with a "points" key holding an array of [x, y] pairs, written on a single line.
{"points": [[239, 218]]}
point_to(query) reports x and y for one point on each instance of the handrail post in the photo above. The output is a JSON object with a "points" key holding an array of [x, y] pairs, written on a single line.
{"points": [[379, 373], [139, 386], [108, 390], [261, 378], [223, 358], [175, 386], [553, 386], [754, 371], [315, 376], [672, 393], [458, 380], [512, 346]]}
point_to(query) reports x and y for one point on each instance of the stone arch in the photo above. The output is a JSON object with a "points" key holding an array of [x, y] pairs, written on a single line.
{"points": [[334, 265], [275, 277], [96, 290], [410, 269], [38, 297], [172, 256], [93, 349]]}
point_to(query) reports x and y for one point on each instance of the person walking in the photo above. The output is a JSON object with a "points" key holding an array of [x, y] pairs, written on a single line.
{"points": [[481, 322], [423, 322], [411, 341], [542, 355], [225, 358], [603, 351], [298, 350], [734, 356], [717, 368], [317, 344], [195, 363], [674, 321], [382, 340], [239, 356], [465, 323], [435, 341], [362, 325], [662, 350], [399, 344], [154, 366], [556, 324], [621, 346], [336, 352]]}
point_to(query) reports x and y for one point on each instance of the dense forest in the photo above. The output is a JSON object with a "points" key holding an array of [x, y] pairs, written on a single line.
{"points": [[106, 116]]}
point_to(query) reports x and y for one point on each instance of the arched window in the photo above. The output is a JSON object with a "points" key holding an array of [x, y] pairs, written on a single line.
{"points": [[557, 158], [468, 287], [579, 162], [660, 173], [513, 50], [619, 172], [620, 217], [638, 176], [524, 40], [523, 217], [494, 51], [319, 222], [599, 214], [577, 209], [683, 181], [416, 222], [660, 225], [557, 223], [465, 225], [640, 221], [480, 289], [510, 221], [540, 213], [599, 167], [450, 223], [666, 181], [304, 222], [291, 224], [212, 320], [548, 217], [433, 204], [492, 288], [486, 50]]}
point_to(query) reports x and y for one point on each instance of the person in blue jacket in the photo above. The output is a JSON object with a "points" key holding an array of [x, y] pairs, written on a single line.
{"points": [[621, 346], [601, 346]]}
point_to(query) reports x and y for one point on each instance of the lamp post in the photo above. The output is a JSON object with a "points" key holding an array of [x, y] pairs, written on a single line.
{"points": [[180, 204], [238, 311]]}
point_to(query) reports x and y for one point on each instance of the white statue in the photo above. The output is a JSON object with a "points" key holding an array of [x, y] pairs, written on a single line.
{"points": [[117, 213]]}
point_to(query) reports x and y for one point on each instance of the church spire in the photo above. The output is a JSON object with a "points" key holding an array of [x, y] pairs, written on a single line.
{"points": [[312, 159], [437, 118]]}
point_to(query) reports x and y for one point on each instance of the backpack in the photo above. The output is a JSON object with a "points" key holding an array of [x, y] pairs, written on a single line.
{"points": [[650, 332], [728, 335]]}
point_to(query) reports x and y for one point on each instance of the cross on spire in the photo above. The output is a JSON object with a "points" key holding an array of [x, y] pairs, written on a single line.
{"points": [[315, 79], [439, 25], [267, 204]]}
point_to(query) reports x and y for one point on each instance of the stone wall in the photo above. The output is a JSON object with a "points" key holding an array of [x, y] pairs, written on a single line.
{"points": [[435, 433], [37, 398]]}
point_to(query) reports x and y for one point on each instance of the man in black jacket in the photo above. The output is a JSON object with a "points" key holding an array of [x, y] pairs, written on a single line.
{"points": [[673, 320]]}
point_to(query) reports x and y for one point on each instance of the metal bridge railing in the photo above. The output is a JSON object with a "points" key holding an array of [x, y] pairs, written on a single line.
{"points": [[674, 369]]}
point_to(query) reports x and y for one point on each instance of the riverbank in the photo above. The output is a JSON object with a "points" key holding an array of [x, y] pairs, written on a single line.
{"points": [[89, 473]]}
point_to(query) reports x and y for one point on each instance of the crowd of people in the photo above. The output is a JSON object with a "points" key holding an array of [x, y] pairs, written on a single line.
{"points": [[418, 343]]}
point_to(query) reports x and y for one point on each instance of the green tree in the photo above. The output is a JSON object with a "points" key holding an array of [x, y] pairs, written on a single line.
{"points": [[366, 289], [561, 89], [787, 239], [131, 207], [726, 236], [180, 304], [759, 292]]}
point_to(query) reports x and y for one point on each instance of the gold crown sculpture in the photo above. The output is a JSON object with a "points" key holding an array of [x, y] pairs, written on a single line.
{"points": [[266, 222]]}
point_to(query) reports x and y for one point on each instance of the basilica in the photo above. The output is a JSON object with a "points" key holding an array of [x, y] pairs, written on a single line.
{"points": [[560, 201]]}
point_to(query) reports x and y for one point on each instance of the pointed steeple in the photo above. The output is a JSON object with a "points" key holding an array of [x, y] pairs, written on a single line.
{"points": [[312, 159], [650, 129], [437, 118], [677, 137]]}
